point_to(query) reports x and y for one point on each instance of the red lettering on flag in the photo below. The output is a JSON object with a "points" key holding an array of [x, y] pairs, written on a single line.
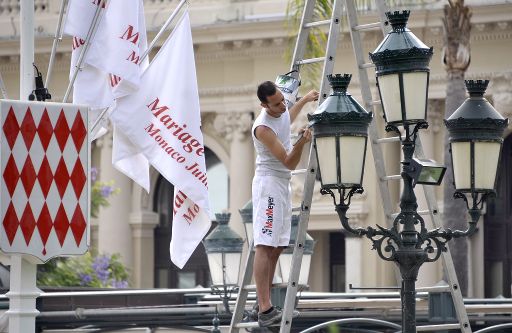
{"points": [[133, 57], [153, 106], [130, 36], [114, 80], [77, 42], [97, 3]]}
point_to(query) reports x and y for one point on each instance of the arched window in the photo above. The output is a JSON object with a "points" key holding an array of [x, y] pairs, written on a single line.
{"points": [[196, 271]]}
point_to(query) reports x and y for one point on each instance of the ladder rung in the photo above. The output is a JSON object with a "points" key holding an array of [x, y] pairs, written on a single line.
{"points": [[367, 65], [250, 324], [296, 209], [252, 287], [376, 102], [388, 140], [420, 212], [317, 24], [368, 26], [298, 172], [426, 328], [433, 289], [310, 61], [392, 177]]}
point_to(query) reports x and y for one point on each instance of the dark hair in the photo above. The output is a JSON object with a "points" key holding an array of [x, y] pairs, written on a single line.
{"points": [[265, 89]]}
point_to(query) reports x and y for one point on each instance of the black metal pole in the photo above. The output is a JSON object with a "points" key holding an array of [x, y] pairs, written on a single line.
{"points": [[409, 256]]}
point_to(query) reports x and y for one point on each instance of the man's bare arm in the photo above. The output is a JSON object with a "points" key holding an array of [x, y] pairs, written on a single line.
{"points": [[270, 140], [297, 107]]}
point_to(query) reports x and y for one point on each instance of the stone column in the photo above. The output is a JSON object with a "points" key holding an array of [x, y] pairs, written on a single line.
{"points": [[114, 232], [143, 224], [502, 96], [236, 127], [354, 261]]}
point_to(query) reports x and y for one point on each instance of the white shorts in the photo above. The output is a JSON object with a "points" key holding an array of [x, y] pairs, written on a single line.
{"points": [[272, 210]]}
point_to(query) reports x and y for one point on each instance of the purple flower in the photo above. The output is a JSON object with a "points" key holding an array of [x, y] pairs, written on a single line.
{"points": [[106, 191], [94, 174], [85, 279], [100, 266], [120, 284]]}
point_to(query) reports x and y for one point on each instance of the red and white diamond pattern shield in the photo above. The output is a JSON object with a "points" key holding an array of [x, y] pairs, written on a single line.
{"points": [[44, 193]]}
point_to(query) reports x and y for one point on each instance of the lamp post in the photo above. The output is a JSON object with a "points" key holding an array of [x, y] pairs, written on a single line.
{"points": [[340, 131], [224, 251]]}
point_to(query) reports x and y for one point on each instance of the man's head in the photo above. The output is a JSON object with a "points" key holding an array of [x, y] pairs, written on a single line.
{"points": [[271, 98]]}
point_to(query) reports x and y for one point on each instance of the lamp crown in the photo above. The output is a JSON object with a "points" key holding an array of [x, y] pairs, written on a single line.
{"points": [[398, 20], [339, 82], [222, 218], [476, 88]]}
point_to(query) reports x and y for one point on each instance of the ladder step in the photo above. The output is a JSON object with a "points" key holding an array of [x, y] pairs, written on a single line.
{"points": [[296, 209], [317, 24], [376, 102], [392, 177], [298, 172], [426, 328], [433, 289], [251, 324], [388, 140], [310, 61], [368, 26], [367, 65], [420, 212], [252, 287]]}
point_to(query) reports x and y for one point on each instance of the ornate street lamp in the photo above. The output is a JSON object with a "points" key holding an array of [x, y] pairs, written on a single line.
{"points": [[340, 127], [476, 138], [401, 64], [224, 251], [476, 129]]}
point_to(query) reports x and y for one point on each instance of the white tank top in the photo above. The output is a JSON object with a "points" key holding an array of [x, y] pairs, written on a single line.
{"points": [[266, 163]]}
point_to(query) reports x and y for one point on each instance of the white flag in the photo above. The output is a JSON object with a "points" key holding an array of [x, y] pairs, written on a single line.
{"points": [[111, 68], [163, 121]]}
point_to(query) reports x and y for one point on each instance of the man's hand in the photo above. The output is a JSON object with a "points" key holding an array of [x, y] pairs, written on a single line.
{"points": [[304, 136], [311, 96]]}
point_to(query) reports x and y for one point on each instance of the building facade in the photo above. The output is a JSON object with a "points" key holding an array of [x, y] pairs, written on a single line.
{"points": [[238, 44]]}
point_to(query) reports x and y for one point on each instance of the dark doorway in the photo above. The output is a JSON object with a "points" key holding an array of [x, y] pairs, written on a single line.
{"points": [[337, 261], [498, 230], [167, 275], [196, 272]]}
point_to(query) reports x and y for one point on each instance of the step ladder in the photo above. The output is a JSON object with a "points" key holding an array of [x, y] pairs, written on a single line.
{"points": [[376, 143]]}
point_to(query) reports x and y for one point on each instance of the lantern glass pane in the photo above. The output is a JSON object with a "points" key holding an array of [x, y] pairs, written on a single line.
{"points": [[232, 267], [390, 94], [326, 150], [486, 164], [352, 158], [304, 269], [215, 264], [461, 158], [285, 264], [415, 91], [249, 231]]}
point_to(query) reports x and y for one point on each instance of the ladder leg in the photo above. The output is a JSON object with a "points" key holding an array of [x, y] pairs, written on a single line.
{"points": [[241, 299], [298, 251]]}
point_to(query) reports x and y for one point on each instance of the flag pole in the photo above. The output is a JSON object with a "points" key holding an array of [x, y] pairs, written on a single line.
{"points": [[90, 34], [23, 290], [2, 87], [145, 54], [56, 40]]}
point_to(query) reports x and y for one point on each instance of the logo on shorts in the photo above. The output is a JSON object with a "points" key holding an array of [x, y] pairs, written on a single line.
{"points": [[267, 228]]}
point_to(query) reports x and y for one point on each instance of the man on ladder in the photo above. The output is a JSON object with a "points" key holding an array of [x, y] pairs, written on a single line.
{"points": [[271, 197]]}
